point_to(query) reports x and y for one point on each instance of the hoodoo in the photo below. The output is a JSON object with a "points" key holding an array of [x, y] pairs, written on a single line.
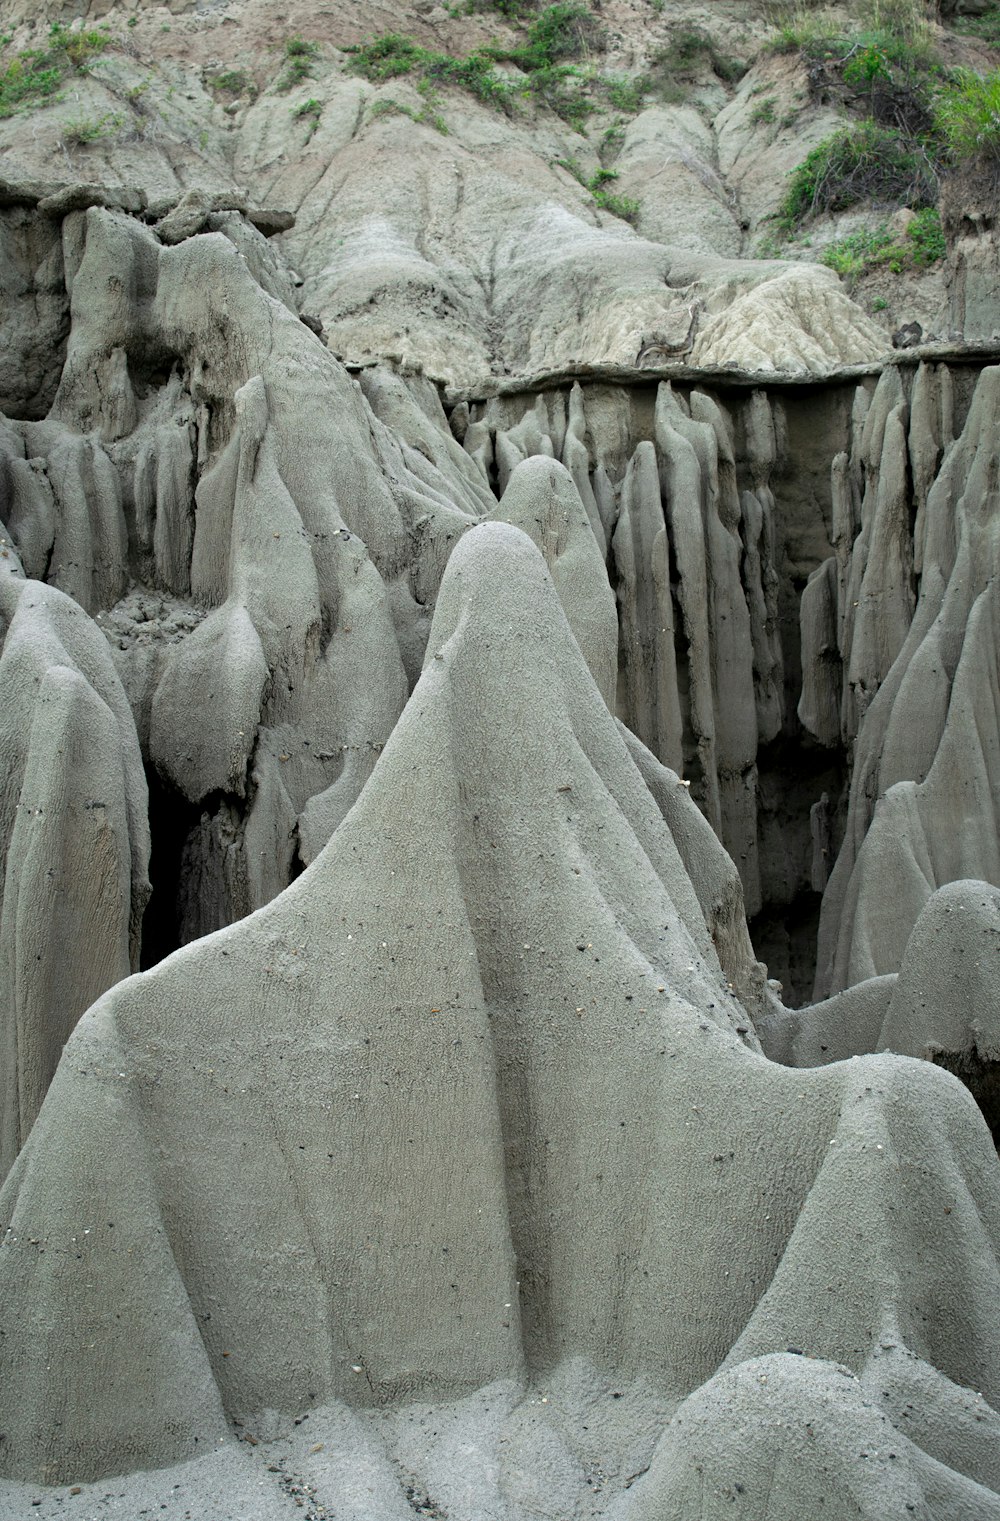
{"points": [[499, 749]]}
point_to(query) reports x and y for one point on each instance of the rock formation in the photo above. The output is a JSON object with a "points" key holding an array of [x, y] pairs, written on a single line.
{"points": [[432, 687], [470, 1100]]}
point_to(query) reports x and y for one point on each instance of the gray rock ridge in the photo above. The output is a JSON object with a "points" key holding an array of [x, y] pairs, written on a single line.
{"points": [[144, 457], [725, 377], [74, 838], [424, 1194]]}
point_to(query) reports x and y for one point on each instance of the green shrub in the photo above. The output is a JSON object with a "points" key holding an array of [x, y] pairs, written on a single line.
{"points": [[860, 252], [300, 56], [76, 47], [967, 115], [887, 69], [88, 129], [558, 32], [387, 57], [764, 112], [393, 55], [233, 82], [623, 206], [863, 162], [926, 236], [619, 205], [626, 93]]}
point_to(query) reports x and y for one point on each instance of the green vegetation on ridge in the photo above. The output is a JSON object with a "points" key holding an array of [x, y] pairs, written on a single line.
{"points": [[35, 75]]}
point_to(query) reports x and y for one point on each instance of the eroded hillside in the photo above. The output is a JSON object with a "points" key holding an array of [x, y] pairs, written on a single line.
{"points": [[504, 595]]}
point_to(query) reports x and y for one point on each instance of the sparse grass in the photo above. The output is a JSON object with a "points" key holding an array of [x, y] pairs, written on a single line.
{"points": [[764, 113], [967, 116], [300, 56], [557, 33], [89, 129], [427, 114], [985, 28], [868, 249], [623, 206], [688, 54], [572, 167], [627, 92], [35, 75], [233, 82], [801, 32], [308, 111]]}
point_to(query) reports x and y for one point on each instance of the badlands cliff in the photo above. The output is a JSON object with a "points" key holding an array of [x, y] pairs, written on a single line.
{"points": [[500, 738]]}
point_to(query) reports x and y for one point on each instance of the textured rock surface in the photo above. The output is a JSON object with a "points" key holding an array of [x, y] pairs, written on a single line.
{"points": [[74, 837], [436, 1194], [919, 676], [476, 252], [474, 694]]}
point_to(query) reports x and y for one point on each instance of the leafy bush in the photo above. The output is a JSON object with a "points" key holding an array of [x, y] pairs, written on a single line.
{"points": [[887, 69], [233, 82], [863, 162], [299, 58], [77, 48], [967, 115], [860, 252], [393, 55], [560, 31], [926, 235]]}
